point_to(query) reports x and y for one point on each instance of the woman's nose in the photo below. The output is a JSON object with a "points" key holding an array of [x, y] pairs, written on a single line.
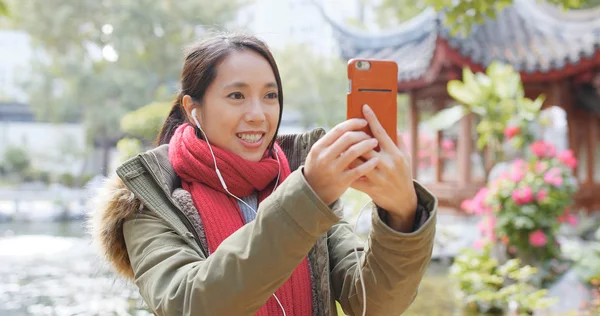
{"points": [[255, 112]]}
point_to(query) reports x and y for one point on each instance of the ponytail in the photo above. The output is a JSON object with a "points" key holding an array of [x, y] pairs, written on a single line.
{"points": [[175, 119]]}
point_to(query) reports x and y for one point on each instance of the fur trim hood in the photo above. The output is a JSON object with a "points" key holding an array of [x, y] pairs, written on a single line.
{"points": [[111, 205]]}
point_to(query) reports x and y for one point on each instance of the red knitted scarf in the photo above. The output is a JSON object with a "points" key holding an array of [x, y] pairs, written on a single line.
{"points": [[220, 213]]}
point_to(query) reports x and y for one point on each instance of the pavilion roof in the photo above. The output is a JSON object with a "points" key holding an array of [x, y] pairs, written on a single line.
{"points": [[533, 37]]}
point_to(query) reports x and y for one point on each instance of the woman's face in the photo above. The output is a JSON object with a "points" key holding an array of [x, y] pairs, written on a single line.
{"points": [[241, 106]]}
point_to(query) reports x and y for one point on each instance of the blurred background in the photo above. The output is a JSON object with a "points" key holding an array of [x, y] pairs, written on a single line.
{"points": [[497, 103]]}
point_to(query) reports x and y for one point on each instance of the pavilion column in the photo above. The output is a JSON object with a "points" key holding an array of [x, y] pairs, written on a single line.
{"points": [[465, 144], [438, 162], [592, 140], [413, 122], [573, 123]]}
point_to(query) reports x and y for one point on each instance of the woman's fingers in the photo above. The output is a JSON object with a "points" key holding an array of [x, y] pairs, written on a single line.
{"points": [[370, 154], [338, 131], [355, 152], [385, 142], [400, 142], [355, 173], [344, 143]]}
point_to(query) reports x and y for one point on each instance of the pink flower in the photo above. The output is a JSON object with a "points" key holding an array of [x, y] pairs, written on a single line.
{"points": [[512, 131], [522, 196], [519, 164], [517, 170], [467, 206], [479, 243], [567, 158], [572, 220], [538, 238], [447, 144], [423, 153], [481, 225], [490, 228], [517, 175], [554, 177], [568, 218], [541, 166], [541, 195], [478, 205], [542, 149], [487, 226]]}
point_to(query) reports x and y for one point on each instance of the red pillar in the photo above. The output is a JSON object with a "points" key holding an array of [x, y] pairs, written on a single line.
{"points": [[414, 133]]}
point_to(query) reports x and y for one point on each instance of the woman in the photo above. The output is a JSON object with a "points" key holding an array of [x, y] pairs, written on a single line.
{"points": [[225, 217]]}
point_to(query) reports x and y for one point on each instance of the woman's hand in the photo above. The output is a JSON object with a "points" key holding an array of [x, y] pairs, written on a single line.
{"points": [[327, 165], [389, 184]]}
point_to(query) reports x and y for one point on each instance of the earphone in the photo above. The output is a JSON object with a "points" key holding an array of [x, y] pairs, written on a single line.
{"points": [[225, 185]]}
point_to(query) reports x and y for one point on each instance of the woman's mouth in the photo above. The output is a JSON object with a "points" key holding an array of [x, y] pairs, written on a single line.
{"points": [[252, 140]]}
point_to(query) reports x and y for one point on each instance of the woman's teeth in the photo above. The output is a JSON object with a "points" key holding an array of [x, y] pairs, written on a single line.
{"points": [[251, 138]]}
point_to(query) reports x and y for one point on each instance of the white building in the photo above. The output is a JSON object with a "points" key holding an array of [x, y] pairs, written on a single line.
{"points": [[281, 22], [58, 148], [15, 53]]}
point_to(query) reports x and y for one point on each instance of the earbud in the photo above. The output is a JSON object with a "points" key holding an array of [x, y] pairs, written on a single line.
{"points": [[196, 120]]}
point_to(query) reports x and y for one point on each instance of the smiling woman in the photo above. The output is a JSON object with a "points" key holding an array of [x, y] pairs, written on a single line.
{"points": [[225, 217], [240, 110]]}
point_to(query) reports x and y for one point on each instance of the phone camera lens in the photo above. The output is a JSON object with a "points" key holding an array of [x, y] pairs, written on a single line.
{"points": [[359, 64]]}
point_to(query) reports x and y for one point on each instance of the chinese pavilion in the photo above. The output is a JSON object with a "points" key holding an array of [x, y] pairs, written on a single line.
{"points": [[557, 54]]}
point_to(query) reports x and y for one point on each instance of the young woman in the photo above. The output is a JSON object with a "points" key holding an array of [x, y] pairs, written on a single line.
{"points": [[225, 217]]}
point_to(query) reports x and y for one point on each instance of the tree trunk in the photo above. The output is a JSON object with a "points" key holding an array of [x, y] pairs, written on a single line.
{"points": [[105, 143]]}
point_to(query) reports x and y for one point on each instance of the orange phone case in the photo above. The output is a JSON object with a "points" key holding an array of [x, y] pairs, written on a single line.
{"points": [[377, 87]]}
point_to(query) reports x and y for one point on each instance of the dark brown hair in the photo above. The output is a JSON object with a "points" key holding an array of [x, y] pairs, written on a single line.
{"points": [[200, 70]]}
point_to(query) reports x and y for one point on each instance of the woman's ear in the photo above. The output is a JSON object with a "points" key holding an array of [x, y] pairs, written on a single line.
{"points": [[188, 106]]}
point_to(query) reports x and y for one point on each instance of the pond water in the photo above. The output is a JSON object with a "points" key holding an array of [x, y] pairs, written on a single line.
{"points": [[52, 269]]}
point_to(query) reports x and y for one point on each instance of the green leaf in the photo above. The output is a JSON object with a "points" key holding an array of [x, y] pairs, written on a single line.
{"points": [[445, 118], [523, 222], [3, 8], [528, 210], [460, 92], [481, 143]]}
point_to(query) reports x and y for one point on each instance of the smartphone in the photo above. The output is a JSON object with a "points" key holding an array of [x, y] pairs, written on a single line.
{"points": [[374, 82]]}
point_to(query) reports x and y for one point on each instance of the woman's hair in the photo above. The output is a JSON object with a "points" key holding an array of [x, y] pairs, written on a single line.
{"points": [[200, 69]]}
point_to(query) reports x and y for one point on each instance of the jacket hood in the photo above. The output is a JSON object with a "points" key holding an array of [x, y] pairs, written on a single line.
{"points": [[110, 206]]}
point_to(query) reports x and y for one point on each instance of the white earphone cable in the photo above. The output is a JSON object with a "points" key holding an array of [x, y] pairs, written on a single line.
{"points": [[225, 185], [358, 264]]}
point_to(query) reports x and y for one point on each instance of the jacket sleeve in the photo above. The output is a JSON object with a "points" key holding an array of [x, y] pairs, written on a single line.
{"points": [[246, 269], [392, 263]]}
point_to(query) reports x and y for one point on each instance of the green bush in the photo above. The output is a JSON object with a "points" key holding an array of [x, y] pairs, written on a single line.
{"points": [[128, 147], [86, 178], [67, 180], [486, 286], [16, 160]]}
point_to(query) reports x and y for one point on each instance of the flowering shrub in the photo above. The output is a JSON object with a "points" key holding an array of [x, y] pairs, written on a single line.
{"points": [[524, 207]]}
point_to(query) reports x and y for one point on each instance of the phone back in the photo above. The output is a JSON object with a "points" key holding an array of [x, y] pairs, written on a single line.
{"points": [[374, 82]]}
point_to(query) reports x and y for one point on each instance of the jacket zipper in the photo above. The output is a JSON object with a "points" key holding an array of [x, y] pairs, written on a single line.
{"points": [[186, 221]]}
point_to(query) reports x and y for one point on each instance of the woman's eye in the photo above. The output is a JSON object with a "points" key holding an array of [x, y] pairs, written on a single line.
{"points": [[236, 95], [272, 95]]}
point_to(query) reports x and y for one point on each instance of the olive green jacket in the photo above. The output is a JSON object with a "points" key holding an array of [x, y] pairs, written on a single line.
{"points": [[149, 230]]}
